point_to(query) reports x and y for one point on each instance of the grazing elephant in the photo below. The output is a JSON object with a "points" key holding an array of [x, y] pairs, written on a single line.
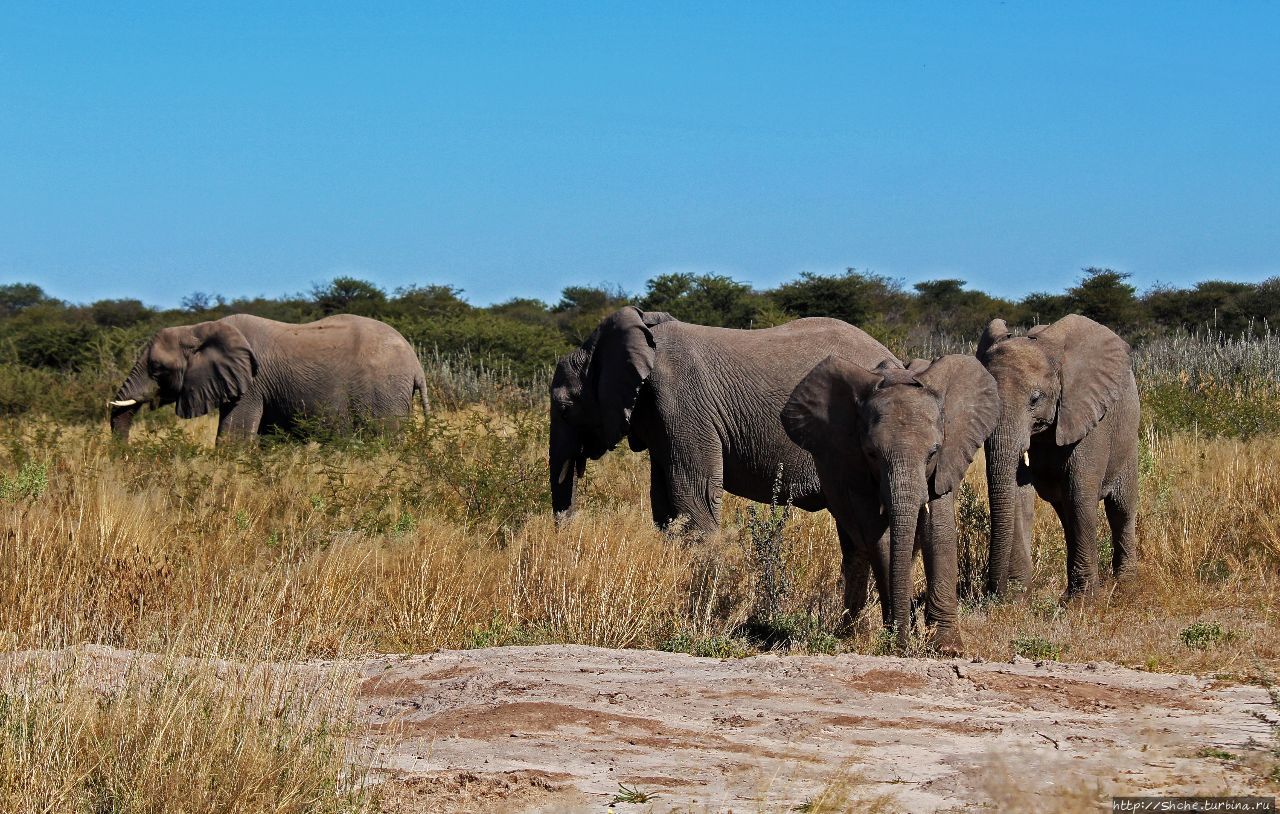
{"points": [[705, 403], [261, 375], [1069, 427], [898, 440]]}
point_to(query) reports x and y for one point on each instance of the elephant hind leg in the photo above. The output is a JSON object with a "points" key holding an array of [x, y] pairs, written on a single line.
{"points": [[1122, 518]]}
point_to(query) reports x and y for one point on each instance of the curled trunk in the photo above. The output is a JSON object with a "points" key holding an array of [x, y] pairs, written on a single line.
{"points": [[906, 490]]}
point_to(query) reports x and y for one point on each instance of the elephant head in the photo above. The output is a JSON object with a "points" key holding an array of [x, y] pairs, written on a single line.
{"points": [[196, 367], [593, 394], [908, 434], [1061, 377]]}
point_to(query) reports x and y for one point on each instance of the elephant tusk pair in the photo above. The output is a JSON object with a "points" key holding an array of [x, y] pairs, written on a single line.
{"points": [[124, 403], [564, 470]]}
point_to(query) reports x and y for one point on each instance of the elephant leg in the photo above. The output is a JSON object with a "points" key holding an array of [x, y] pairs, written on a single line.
{"points": [[659, 490], [880, 569], [941, 574], [239, 421], [1122, 519], [696, 484], [1023, 521], [1079, 517], [856, 569]]}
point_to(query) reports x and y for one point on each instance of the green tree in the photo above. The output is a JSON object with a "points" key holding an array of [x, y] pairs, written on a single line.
{"points": [[16, 296], [703, 299], [348, 295], [1104, 296], [855, 297], [431, 301]]}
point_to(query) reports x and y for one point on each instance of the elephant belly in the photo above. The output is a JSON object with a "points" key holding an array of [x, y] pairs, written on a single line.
{"points": [[801, 489]]}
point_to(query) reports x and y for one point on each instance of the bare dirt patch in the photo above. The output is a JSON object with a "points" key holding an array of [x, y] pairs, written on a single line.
{"points": [[767, 733]]}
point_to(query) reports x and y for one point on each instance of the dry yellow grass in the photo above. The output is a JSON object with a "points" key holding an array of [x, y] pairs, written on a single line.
{"points": [[288, 552]]}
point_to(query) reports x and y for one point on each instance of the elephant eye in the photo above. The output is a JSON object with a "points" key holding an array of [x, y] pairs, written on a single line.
{"points": [[933, 450], [1035, 397]]}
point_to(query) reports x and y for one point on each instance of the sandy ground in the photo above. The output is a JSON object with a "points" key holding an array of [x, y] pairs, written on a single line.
{"points": [[560, 728]]}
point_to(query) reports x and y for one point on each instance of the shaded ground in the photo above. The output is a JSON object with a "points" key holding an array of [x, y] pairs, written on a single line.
{"points": [[554, 728]]}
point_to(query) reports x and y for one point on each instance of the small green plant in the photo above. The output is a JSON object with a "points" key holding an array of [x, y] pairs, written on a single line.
{"points": [[793, 631], [707, 647], [30, 483], [1037, 648], [1215, 753], [765, 526], [1213, 570], [973, 521], [1201, 635], [633, 795]]}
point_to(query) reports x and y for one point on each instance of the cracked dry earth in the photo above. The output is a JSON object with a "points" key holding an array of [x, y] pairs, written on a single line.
{"points": [[558, 728]]}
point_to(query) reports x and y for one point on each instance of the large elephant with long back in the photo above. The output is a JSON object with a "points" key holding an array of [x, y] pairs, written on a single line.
{"points": [[1069, 427], [263, 376], [892, 445], [704, 401]]}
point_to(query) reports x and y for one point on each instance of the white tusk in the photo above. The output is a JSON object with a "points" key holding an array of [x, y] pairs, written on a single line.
{"points": [[125, 403], [1026, 457], [927, 510], [564, 470]]}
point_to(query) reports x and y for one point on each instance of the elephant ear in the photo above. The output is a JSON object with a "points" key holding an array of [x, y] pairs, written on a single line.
{"points": [[823, 406], [652, 318], [997, 331], [220, 365], [918, 365], [1095, 368], [970, 409], [621, 362]]}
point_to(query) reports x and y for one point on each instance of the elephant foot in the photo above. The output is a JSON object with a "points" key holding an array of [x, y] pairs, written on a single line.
{"points": [[946, 641]]}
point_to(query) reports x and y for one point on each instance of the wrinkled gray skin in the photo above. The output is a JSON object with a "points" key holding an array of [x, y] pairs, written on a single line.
{"points": [[704, 401], [897, 442], [263, 376], [1069, 404]]}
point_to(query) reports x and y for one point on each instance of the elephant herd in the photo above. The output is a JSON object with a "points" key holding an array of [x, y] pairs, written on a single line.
{"points": [[817, 403], [882, 445]]}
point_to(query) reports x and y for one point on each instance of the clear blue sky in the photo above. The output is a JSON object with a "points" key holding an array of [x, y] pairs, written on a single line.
{"points": [[151, 150]]}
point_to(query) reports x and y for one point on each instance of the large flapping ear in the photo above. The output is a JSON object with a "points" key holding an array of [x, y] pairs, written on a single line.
{"points": [[621, 362], [220, 365], [1095, 369], [822, 406], [970, 409], [997, 331]]}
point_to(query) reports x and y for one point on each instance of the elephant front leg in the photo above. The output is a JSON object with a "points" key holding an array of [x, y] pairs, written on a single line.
{"points": [[855, 567], [696, 484], [239, 421], [941, 570], [660, 490], [1079, 516]]}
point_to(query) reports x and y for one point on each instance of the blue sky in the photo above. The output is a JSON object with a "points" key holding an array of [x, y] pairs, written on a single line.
{"points": [[152, 150]]}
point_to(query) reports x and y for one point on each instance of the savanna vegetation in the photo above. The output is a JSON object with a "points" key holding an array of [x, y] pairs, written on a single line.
{"points": [[442, 536]]}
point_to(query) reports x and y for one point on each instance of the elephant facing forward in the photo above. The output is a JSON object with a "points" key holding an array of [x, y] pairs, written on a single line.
{"points": [[891, 447], [1069, 428], [263, 376]]}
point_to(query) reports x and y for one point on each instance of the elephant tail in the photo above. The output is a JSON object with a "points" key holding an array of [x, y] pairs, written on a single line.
{"points": [[420, 385]]}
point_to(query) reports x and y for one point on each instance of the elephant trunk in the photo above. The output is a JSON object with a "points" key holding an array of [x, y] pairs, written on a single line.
{"points": [[905, 485], [137, 390], [566, 464], [1003, 452]]}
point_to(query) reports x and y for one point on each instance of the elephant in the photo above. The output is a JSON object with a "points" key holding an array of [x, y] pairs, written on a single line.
{"points": [[263, 376], [1068, 429], [704, 401], [891, 446]]}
